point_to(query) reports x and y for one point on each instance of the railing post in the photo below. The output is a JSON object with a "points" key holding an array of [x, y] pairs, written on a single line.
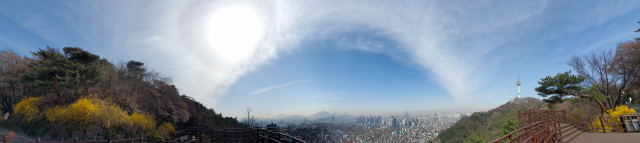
{"points": [[564, 114], [559, 130], [591, 125], [533, 134], [75, 140], [38, 140], [602, 124], [110, 138], [624, 124]]}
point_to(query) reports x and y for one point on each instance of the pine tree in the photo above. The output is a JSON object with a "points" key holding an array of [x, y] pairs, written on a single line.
{"points": [[70, 74], [565, 84]]}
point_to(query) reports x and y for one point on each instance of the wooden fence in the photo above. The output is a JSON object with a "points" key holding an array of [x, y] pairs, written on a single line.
{"points": [[238, 135], [538, 127], [202, 135], [585, 123], [544, 125]]}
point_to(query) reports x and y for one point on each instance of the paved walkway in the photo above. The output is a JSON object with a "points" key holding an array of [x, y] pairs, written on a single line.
{"points": [[14, 136], [587, 137], [636, 107]]}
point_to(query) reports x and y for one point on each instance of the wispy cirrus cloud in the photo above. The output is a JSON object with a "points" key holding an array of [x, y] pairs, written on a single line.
{"points": [[448, 40], [278, 86]]}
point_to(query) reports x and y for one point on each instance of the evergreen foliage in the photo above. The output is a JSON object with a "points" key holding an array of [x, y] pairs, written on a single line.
{"points": [[69, 75], [637, 39], [565, 84]]}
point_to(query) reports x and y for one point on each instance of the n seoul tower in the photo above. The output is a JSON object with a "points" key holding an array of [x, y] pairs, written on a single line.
{"points": [[518, 84]]}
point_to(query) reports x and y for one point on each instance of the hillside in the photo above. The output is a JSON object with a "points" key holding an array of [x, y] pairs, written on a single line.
{"points": [[485, 126], [321, 114], [70, 93]]}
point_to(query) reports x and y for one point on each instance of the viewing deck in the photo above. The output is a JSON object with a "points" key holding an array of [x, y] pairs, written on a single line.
{"points": [[561, 126], [613, 137]]}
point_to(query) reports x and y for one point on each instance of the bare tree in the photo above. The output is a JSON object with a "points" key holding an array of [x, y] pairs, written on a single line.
{"points": [[598, 71], [613, 72], [251, 119], [11, 66], [628, 62]]}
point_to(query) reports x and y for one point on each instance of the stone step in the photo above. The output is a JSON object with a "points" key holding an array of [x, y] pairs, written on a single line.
{"points": [[567, 139], [569, 133], [565, 126]]}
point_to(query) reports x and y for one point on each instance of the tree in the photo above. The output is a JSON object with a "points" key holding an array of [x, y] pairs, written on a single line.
{"points": [[78, 55], [136, 69], [565, 84], [69, 74], [475, 139], [251, 119], [606, 71], [11, 66], [169, 106], [628, 62], [509, 125], [637, 39]]}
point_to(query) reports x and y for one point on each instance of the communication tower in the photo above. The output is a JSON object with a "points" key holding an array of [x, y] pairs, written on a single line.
{"points": [[518, 84]]}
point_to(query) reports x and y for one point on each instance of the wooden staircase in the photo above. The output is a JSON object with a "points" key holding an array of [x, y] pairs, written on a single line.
{"points": [[569, 132]]}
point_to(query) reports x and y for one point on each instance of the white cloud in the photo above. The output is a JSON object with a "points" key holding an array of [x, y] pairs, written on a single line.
{"points": [[277, 86], [446, 39]]}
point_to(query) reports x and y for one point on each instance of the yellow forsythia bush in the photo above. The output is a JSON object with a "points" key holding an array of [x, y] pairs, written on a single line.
{"points": [[82, 112], [111, 115], [169, 127], [28, 107], [93, 110], [620, 110], [143, 121]]}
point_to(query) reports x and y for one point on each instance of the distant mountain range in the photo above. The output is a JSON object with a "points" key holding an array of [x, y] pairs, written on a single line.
{"points": [[321, 114]]}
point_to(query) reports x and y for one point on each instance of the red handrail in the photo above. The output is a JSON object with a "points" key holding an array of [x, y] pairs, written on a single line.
{"points": [[540, 126]]}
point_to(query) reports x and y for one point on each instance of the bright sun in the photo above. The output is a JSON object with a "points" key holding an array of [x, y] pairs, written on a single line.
{"points": [[233, 32]]}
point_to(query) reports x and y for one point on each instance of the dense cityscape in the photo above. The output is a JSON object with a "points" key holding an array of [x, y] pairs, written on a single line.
{"points": [[359, 129]]}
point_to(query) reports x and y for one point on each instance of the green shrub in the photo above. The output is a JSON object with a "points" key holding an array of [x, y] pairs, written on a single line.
{"points": [[151, 137], [112, 133]]}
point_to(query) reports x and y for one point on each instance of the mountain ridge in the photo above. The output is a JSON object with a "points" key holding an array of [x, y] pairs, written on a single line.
{"points": [[317, 115]]}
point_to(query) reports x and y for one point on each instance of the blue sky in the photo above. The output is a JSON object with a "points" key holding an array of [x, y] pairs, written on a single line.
{"points": [[357, 57]]}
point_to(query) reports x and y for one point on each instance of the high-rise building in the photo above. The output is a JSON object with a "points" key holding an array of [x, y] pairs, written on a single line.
{"points": [[394, 122]]}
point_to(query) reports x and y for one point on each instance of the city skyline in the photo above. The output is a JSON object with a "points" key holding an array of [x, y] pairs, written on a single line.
{"points": [[356, 57]]}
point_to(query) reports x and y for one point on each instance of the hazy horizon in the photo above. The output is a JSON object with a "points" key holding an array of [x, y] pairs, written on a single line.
{"points": [[355, 57]]}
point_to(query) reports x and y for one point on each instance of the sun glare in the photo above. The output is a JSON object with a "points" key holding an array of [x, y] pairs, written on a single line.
{"points": [[233, 32]]}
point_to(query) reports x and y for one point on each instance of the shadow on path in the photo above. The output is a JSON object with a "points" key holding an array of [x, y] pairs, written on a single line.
{"points": [[13, 136]]}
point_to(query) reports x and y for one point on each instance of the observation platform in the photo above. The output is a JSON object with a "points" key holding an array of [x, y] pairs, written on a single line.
{"points": [[609, 137]]}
